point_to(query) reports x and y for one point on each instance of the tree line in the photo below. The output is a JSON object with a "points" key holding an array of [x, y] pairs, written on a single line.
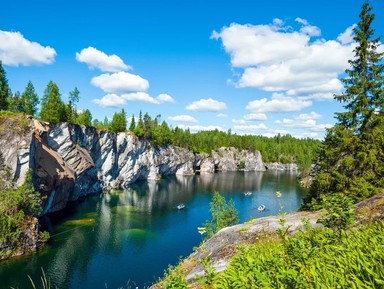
{"points": [[281, 148]]}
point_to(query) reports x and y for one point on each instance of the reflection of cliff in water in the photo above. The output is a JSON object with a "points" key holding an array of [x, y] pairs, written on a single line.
{"points": [[167, 193]]}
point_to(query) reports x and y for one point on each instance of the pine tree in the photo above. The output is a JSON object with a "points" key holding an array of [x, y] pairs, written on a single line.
{"points": [[351, 160], [52, 107], [30, 99], [5, 92], [133, 124]]}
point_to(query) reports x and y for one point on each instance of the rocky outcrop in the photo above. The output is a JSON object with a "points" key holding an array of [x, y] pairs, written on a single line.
{"points": [[28, 241], [70, 161], [15, 146], [292, 167], [230, 159]]}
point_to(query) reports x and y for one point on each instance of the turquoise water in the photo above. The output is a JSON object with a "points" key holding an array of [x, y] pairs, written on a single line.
{"points": [[130, 237]]}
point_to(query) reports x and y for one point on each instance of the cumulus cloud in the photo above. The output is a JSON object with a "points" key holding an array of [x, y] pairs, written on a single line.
{"points": [[308, 29], [255, 116], [207, 105], [250, 128], [15, 50], [164, 98], [222, 115], [303, 122], [278, 58], [183, 118], [110, 100], [311, 115], [120, 82], [347, 36], [278, 103], [139, 96], [97, 59]]}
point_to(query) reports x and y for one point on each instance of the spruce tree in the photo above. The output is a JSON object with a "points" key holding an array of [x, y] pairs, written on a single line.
{"points": [[52, 107], [119, 122], [5, 92], [351, 161], [30, 99], [133, 124]]}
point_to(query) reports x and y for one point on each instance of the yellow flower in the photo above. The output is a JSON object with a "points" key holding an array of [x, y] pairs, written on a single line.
{"points": [[278, 194]]}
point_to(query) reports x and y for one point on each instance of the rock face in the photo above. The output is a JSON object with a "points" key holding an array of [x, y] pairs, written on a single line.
{"points": [[70, 161], [281, 167], [231, 159]]}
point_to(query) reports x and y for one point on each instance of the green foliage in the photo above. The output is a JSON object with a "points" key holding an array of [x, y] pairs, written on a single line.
{"points": [[85, 118], [5, 92], [317, 258], [71, 110], [351, 159], [119, 122], [29, 100], [209, 273], [16, 207], [132, 126], [53, 108], [224, 214], [174, 278], [339, 212]]}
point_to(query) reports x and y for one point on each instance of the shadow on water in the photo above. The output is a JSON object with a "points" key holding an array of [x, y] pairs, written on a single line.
{"points": [[132, 235]]}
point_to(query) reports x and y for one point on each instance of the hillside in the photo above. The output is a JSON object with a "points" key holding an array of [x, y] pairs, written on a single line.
{"points": [[233, 246]]}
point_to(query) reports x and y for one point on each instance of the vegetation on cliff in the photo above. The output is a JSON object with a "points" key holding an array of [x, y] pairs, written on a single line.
{"points": [[19, 232]]}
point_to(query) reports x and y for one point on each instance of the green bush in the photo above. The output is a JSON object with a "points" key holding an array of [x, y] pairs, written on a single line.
{"points": [[318, 258]]}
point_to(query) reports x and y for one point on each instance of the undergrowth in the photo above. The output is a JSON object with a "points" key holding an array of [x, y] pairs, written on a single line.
{"points": [[318, 258]]}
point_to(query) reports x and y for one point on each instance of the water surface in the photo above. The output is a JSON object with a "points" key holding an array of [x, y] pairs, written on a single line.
{"points": [[130, 237]]}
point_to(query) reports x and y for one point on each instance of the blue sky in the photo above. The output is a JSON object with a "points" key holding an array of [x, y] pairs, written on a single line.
{"points": [[255, 67]]}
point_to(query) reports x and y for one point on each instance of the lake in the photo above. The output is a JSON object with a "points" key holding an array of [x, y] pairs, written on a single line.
{"points": [[128, 238]]}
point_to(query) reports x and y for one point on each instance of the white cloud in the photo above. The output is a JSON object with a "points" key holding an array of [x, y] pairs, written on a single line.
{"points": [[277, 58], [239, 121], [164, 98], [255, 116], [15, 50], [347, 36], [311, 115], [222, 115], [110, 100], [196, 128], [309, 124], [97, 59], [207, 105], [278, 103], [183, 118], [254, 128], [307, 28], [139, 96], [120, 82]]}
